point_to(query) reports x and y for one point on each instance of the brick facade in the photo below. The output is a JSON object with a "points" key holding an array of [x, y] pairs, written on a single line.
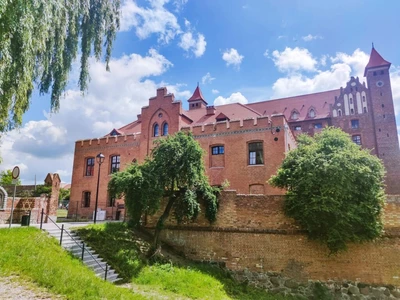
{"points": [[251, 232], [366, 112]]}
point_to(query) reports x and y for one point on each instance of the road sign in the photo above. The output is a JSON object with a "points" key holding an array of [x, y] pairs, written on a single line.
{"points": [[15, 172]]}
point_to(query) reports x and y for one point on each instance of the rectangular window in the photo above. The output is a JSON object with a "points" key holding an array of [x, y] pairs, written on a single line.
{"points": [[297, 128], [256, 153], [217, 150], [354, 124], [86, 199], [89, 166], [318, 125], [357, 139], [115, 163]]}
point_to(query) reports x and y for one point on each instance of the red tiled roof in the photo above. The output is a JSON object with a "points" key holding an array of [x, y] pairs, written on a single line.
{"points": [[319, 101], [232, 112], [197, 95], [130, 128], [375, 60]]}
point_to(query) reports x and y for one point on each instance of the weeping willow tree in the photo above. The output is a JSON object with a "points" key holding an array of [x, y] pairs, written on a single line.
{"points": [[39, 40]]}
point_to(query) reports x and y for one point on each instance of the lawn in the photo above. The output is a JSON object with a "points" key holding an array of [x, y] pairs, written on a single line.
{"points": [[34, 257], [62, 213], [124, 249]]}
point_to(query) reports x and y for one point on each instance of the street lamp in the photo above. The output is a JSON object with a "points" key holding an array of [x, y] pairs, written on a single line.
{"points": [[100, 159]]}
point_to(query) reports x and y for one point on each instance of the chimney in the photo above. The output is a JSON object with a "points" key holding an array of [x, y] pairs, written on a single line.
{"points": [[139, 117], [211, 110]]}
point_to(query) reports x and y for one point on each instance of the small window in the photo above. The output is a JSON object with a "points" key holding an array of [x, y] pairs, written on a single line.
{"points": [[165, 129], [374, 73], [256, 153], [110, 201], [156, 130], [351, 100], [379, 130], [381, 93], [192, 105], [297, 128], [352, 111], [217, 150], [382, 72], [312, 113], [363, 98], [339, 112], [356, 139], [86, 199], [197, 104], [318, 125], [115, 162], [355, 124], [365, 110], [295, 115], [383, 105], [89, 166]]}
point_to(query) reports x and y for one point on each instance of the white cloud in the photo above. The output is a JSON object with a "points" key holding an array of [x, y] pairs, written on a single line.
{"points": [[232, 57], [292, 60], [207, 78], [214, 91], [179, 4], [155, 19], [311, 37], [233, 98], [190, 43], [266, 53], [395, 83], [113, 99]]}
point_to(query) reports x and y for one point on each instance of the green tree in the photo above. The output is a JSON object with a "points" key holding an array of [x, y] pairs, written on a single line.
{"points": [[6, 178], [334, 189], [174, 172], [38, 43], [64, 194]]}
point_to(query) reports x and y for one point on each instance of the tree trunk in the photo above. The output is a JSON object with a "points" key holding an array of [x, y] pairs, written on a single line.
{"points": [[160, 225]]}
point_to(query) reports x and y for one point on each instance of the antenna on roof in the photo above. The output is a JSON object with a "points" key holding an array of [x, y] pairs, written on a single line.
{"points": [[197, 84], [372, 44]]}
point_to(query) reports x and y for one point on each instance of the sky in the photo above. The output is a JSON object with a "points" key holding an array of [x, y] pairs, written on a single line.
{"points": [[238, 51]]}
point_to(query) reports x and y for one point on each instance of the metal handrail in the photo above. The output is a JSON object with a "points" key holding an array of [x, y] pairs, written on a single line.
{"points": [[82, 247]]}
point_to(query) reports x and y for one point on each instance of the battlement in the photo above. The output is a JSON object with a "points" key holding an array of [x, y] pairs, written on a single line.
{"points": [[109, 140], [266, 122]]}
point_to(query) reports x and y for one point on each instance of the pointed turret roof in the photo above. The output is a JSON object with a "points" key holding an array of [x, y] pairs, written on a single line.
{"points": [[197, 95], [375, 60]]}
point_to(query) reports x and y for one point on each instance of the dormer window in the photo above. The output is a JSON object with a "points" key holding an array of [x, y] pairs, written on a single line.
{"points": [[295, 115], [311, 114]]}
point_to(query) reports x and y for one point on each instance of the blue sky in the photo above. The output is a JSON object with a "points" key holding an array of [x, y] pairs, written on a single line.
{"points": [[239, 51]]}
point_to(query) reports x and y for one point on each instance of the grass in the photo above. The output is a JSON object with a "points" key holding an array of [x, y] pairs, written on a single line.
{"points": [[124, 249], [33, 256], [62, 213]]}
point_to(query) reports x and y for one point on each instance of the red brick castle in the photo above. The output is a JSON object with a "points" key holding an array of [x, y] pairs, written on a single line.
{"points": [[244, 144]]}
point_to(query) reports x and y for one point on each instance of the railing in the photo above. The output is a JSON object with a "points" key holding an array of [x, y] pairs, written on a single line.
{"points": [[83, 244]]}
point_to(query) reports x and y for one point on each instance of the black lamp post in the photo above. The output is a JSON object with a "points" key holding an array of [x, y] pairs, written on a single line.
{"points": [[100, 159]]}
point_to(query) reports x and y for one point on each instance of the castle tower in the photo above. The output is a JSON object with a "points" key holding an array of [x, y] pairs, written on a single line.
{"points": [[383, 116], [197, 100]]}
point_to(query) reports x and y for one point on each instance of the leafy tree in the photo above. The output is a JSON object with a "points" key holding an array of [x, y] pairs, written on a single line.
{"points": [[64, 194], [42, 189], [38, 43], [334, 189], [6, 178], [174, 172]]}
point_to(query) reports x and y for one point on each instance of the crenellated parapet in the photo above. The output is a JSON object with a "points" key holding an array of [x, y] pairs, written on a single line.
{"points": [[126, 140]]}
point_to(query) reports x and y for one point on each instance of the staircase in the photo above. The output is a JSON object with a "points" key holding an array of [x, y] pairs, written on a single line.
{"points": [[72, 242]]}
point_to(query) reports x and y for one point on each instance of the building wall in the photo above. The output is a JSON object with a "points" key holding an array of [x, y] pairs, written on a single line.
{"points": [[251, 232]]}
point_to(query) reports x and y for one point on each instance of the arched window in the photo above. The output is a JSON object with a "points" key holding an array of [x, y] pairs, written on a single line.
{"points": [[3, 198], [155, 130], [165, 129], [339, 112], [312, 113]]}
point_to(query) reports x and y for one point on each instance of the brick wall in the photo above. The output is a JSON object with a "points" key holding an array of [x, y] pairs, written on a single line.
{"points": [[252, 233]]}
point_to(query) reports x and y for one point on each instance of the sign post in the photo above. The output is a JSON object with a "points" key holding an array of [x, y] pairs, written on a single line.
{"points": [[15, 175]]}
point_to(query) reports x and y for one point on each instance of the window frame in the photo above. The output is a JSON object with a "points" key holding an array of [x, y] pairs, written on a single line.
{"points": [[156, 130], [112, 163], [356, 138], [355, 124], [297, 128], [89, 167], [86, 201], [218, 150], [255, 160], [111, 201], [318, 126], [165, 124]]}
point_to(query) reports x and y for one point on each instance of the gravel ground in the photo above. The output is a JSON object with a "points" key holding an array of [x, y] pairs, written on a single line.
{"points": [[10, 288]]}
